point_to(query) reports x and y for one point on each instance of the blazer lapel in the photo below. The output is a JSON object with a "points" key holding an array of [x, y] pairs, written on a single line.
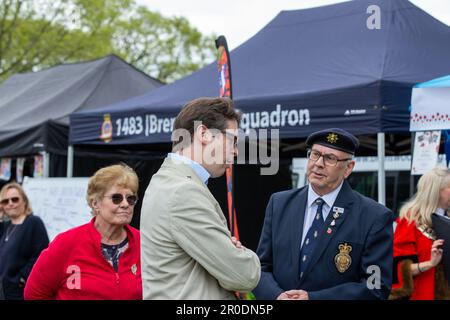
{"points": [[344, 200], [297, 219]]}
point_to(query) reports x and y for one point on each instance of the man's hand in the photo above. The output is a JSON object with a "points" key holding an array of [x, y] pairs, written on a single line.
{"points": [[237, 243], [293, 295]]}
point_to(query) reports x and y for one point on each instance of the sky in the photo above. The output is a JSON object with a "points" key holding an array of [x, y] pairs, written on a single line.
{"points": [[239, 20]]}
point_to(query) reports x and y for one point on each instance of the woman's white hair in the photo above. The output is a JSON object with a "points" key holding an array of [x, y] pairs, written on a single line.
{"points": [[426, 200]]}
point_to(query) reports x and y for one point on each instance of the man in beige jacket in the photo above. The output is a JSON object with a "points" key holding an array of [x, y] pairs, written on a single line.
{"points": [[187, 251]]}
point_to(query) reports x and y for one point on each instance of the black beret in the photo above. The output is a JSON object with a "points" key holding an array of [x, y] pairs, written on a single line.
{"points": [[335, 138]]}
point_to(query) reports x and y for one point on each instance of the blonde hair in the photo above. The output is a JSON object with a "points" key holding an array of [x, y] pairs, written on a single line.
{"points": [[119, 175], [18, 187], [426, 200]]}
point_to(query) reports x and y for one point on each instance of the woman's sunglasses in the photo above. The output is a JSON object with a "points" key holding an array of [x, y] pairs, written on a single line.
{"points": [[117, 199], [13, 200]]}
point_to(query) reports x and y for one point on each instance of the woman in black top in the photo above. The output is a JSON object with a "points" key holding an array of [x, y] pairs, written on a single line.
{"points": [[22, 239]]}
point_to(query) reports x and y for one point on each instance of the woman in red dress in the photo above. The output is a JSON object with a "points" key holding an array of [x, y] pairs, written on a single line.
{"points": [[418, 271]]}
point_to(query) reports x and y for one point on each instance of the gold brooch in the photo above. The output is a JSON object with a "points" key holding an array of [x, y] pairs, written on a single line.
{"points": [[343, 260], [332, 138]]}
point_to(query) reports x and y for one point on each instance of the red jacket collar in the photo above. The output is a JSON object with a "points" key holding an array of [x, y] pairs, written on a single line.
{"points": [[98, 238]]}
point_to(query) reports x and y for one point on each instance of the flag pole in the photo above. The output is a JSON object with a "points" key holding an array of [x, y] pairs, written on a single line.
{"points": [[225, 90]]}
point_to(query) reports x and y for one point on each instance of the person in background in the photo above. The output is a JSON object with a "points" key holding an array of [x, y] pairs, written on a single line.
{"points": [[187, 250], [418, 271], [22, 239], [98, 260], [325, 240]]}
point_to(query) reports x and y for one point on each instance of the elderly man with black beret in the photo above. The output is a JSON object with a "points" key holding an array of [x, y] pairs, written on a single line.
{"points": [[325, 240]]}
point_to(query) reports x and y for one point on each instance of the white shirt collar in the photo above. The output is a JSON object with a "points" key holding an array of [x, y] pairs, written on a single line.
{"points": [[202, 173], [329, 198]]}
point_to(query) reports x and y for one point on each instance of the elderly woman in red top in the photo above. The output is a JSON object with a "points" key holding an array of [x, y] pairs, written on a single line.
{"points": [[98, 260], [418, 273]]}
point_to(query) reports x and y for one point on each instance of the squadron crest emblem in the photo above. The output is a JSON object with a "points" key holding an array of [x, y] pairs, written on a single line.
{"points": [[107, 129]]}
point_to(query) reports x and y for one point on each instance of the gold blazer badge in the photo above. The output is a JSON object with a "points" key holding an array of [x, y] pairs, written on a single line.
{"points": [[343, 260]]}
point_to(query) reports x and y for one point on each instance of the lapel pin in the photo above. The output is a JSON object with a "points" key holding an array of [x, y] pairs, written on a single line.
{"points": [[134, 269], [338, 209], [333, 223]]}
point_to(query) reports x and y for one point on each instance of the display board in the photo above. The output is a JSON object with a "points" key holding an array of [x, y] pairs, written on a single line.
{"points": [[59, 202], [426, 151]]}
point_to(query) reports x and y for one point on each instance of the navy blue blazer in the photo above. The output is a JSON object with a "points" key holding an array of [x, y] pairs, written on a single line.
{"points": [[364, 225]]}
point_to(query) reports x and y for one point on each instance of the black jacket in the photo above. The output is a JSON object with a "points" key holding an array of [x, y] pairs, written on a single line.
{"points": [[19, 253]]}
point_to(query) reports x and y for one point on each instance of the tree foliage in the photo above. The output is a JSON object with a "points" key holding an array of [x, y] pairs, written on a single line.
{"points": [[36, 34]]}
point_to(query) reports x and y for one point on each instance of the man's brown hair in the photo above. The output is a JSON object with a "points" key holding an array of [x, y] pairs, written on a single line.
{"points": [[210, 112]]}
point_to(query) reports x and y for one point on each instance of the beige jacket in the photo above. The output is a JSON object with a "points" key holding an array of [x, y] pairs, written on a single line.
{"points": [[186, 248]]}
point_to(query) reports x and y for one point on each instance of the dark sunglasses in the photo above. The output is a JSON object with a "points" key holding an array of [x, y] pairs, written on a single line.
{"points": [[13, 200], [117, 199]]}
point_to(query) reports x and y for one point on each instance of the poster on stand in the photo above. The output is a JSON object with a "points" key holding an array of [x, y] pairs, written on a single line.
{"points": [[426, 149], [38, 166], [5, 169]]}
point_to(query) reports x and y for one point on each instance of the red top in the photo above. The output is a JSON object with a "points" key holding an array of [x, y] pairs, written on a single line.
{"points": [[411, 243], [73, 268]]}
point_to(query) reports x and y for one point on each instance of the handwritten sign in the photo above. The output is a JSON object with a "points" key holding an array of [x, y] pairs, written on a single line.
{"points": [[59, 202]]}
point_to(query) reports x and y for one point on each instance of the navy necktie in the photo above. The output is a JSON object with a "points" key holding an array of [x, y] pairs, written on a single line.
{"points": [[311, 237]]}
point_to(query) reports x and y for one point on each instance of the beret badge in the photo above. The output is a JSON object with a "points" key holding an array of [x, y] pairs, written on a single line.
{"points": [[332, 138]]}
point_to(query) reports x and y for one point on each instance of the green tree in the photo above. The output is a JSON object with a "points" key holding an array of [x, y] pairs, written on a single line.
{"points": [[36, 34]]}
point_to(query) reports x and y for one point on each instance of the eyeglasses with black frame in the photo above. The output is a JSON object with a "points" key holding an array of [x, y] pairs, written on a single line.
{"points": [[329, 159], [13, 200], [117, 198]]}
